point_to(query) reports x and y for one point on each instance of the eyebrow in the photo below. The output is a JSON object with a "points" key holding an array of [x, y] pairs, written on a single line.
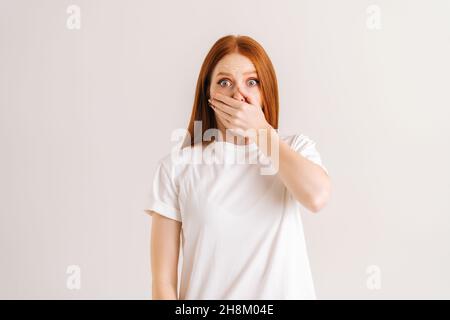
{"points": [[228, 74]]}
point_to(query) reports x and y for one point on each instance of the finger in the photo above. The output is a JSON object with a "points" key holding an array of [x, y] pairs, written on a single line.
{"points": [[225, 122], [227, 100], [221, 113], [251, 100], [224, 107]]}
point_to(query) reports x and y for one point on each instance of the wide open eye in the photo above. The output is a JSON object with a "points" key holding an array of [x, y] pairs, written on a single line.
{"points": [[224, 83], [253, 82]]}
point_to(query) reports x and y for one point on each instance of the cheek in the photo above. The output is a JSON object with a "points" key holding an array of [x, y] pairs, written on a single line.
{"points": [[223, 90], [256, 94], [215, 88]]}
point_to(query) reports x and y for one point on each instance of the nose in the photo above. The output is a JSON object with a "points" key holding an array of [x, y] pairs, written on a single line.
{"points": [[238, 94]]}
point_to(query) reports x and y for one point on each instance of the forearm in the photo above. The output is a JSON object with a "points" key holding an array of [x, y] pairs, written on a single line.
{"points": [[165, 247], [307, 181], [164, 291]]}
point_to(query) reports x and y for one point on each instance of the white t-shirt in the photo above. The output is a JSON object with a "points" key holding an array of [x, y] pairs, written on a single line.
{"points": [[242, 234]]}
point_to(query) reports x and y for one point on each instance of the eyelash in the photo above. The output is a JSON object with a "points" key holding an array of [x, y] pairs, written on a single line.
{"points": [[256, 80]]}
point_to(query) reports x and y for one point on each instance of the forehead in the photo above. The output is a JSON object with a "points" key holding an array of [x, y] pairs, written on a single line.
{"points": [[234, 63]]}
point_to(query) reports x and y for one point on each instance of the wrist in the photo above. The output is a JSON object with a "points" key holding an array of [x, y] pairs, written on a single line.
{"points": [[264, 135]]}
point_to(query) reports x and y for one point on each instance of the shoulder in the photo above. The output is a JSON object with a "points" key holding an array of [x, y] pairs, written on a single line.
{"points": [[297, 141], [178, 157], [304, 145]]}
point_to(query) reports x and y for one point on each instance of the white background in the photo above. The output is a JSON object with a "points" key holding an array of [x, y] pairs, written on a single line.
{"points": [[85, 115]]}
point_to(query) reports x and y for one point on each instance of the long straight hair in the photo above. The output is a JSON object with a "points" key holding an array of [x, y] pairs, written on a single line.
{"points": [[266, 74]]}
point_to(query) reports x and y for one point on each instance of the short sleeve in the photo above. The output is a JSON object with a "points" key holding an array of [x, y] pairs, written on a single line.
{"points": [[307, 148], [164, 196]]}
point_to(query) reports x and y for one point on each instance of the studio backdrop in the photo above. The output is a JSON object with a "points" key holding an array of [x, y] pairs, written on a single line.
{"points": [[91, 91]]}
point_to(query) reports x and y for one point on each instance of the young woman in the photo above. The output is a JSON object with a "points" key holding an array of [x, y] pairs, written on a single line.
{"points": [[241, 230]]}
